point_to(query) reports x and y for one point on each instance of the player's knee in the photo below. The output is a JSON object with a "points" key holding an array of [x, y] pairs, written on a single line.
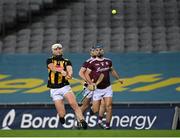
{"points": [[108, 107], [95, 110], [73, 105], [102, 106]]}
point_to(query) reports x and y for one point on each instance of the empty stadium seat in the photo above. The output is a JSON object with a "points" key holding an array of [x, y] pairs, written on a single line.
{"points": [[50, 37], [90, 12], [51, 21], [131, 39], [171, 12], [35, 5], [9, 11], [76, 41], [145, 39], [104, 37], [90, 38], [47, 4], [1, 17], [22, 46], [159, 39], [23, 10], [130, 13], [1, 45], [157, 13], [64, 18], [117, 45], [9, 44], [144, 13], [64, 37], [104, 13]]}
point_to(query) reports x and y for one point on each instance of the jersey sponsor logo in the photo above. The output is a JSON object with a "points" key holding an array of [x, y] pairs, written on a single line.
{"points": [[97, 64], [99, 69], [102, 63], [107, 63]]}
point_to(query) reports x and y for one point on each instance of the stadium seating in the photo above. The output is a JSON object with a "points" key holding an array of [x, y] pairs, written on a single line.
{"points": [[145, 39], [12, 11], [9, 44], [1, 44], [138, 26]]}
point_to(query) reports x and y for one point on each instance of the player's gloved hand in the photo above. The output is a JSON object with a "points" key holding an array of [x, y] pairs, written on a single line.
{"points": [[85, 85], [121, 81], [64, 73], [91, 87], [68, 77]]}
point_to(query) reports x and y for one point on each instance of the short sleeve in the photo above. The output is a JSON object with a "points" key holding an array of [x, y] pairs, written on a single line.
{"points": [[48, 61], [110, 63], [90, 66], [85, 64], [68, 63]]}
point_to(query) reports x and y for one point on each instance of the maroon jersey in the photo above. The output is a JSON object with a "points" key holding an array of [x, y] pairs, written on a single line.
{"points": [[98, 66], [86, 64]]}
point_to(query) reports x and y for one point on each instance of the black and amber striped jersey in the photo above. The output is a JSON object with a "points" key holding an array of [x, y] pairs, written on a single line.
{"points": [[55, 79]]}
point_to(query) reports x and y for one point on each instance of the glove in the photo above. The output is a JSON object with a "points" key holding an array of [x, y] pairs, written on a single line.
{"points": [[121, 81], [64, 73], [85, 85], [91, 87], [68, 77]]}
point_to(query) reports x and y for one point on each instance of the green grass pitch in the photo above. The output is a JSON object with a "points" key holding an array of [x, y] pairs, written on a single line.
{"points": [[89, 133]]}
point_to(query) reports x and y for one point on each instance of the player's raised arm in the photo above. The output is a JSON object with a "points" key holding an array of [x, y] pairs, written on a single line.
{"points": [[57, 69], [91, 84], [87, 75], [82, 73], [116, 75], [54, 68], [69, 72]]}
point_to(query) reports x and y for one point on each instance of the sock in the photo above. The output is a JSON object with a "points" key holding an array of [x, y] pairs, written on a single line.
{"points": [[84, 124], [91, 111], [62, 120], [100, 119], [107, 124]]}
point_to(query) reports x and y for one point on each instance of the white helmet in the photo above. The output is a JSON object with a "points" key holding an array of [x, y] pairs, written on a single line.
{"points": [[54, 46]]}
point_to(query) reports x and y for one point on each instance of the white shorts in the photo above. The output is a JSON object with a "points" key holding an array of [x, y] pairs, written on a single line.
{"points": [[58, 93], [101, 93], [88, 93]]}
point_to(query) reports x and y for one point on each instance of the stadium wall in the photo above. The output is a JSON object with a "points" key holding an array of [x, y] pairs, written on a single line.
{"points": [[45, 117], [148, 78]]}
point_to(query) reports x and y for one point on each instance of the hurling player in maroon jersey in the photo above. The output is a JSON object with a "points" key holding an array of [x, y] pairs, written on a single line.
{"points": [[104, 91], [87, 93], [86, 102]]}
